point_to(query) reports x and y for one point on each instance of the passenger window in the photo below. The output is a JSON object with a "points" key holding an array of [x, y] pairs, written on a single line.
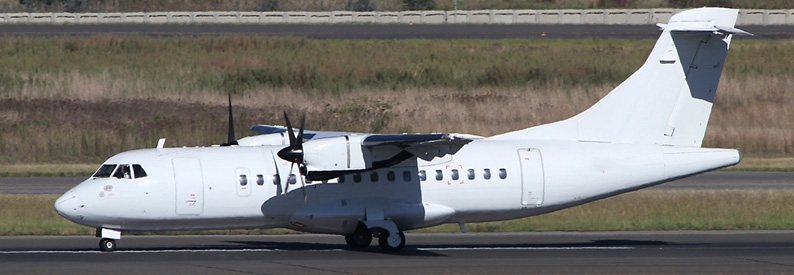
{"points": [[470, 174], [260, 179], [356, 177], [341, 179], [502, 173], [104, 171], [373, 177], [486, 174], [138, 171], [454, 174], [276, 179], [406, 176], [243, 180], [123, 172], [422, 175], [390, 176], [439, 175]]}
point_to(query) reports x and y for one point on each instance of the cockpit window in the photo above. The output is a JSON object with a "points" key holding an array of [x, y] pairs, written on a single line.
{"points": [[120, 171], [123, 172], [104, 171], [139, 172]]}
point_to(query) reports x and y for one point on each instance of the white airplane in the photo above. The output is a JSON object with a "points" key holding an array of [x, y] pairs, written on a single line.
{"points": [[645, 132]]}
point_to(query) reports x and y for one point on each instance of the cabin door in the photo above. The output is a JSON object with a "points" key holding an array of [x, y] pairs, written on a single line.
{"points": [[532, 180], [189, 186]]}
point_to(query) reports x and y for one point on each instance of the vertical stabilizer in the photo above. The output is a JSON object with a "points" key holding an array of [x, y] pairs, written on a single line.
{"points": [[668, 100]]}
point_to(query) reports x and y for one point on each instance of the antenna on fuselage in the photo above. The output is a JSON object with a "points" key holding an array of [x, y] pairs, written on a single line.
{"points": [[230, 139]]}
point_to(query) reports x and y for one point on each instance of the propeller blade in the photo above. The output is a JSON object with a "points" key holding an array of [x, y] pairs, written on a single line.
{"points": [[303, 187], [278, 176], [293, 152], [300, 133], [289, 176], [289, 130]]}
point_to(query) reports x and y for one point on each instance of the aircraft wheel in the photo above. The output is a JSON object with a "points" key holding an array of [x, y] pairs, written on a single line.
{"points": [[358, 240], [107, 245], [392, 242]]}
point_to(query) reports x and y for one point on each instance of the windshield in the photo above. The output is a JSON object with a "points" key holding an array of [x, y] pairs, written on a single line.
{"points": [[122, 172], [105, 171]]}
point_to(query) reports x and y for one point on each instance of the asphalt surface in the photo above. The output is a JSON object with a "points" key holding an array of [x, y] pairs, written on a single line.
{"points": [[389, 31], [712, 180], [482, 253]]}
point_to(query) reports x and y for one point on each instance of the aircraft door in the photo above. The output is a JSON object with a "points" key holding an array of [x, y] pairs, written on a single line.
{"points": [[532, 178], [189, 186]]}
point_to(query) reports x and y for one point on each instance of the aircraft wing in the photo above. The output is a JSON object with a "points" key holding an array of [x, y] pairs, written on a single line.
{"points": [[328, 158], [423, 146]]}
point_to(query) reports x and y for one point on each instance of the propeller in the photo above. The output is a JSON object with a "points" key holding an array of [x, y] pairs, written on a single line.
{"points": [[294, 152], [230, 136]]}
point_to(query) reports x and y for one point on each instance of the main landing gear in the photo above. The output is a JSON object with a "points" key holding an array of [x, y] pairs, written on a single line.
{"points": [[390, 238]]}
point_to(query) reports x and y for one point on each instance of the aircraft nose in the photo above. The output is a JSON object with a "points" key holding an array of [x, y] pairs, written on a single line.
{"points": [[68, 205]]}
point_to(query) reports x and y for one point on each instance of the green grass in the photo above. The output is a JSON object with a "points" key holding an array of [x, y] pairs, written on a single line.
{"points": [[738, 209]]}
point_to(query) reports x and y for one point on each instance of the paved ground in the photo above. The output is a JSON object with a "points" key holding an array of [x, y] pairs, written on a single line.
{"points": [[395, 31], [494, 253]]}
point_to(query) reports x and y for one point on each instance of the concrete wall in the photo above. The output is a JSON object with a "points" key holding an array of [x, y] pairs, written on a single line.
{"points": [[610, 16]]}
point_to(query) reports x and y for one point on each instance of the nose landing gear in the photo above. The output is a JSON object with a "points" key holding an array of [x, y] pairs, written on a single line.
{"points": [[109, 237], [107, 245]]}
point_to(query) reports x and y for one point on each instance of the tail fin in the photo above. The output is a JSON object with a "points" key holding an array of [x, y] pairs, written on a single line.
{"points": [[668, 100]]}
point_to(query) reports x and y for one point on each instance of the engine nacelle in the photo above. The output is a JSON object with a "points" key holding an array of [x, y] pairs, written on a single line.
{"points": [[343, 153], [266, 139]]}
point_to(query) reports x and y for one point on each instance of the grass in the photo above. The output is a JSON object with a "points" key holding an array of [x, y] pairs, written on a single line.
{"points": [[731, 209], [83, 99]]}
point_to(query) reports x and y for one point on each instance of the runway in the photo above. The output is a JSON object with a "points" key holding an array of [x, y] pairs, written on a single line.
{"points": [[711, 180], [493, 253]]}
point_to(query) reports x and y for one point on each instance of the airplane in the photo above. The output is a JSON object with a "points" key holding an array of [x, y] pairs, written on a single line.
{"points": [[645, 132]]}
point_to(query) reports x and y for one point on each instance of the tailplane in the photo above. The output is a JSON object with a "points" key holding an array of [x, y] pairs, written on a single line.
{"points": [[668, 100]]}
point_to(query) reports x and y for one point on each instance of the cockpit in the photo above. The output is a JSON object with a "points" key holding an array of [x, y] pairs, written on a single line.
{"points": [[120, 171]]}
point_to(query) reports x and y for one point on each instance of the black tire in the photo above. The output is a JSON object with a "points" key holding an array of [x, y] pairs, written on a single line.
{"points": [[107, 245], [358, 240], [392, 242]]}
